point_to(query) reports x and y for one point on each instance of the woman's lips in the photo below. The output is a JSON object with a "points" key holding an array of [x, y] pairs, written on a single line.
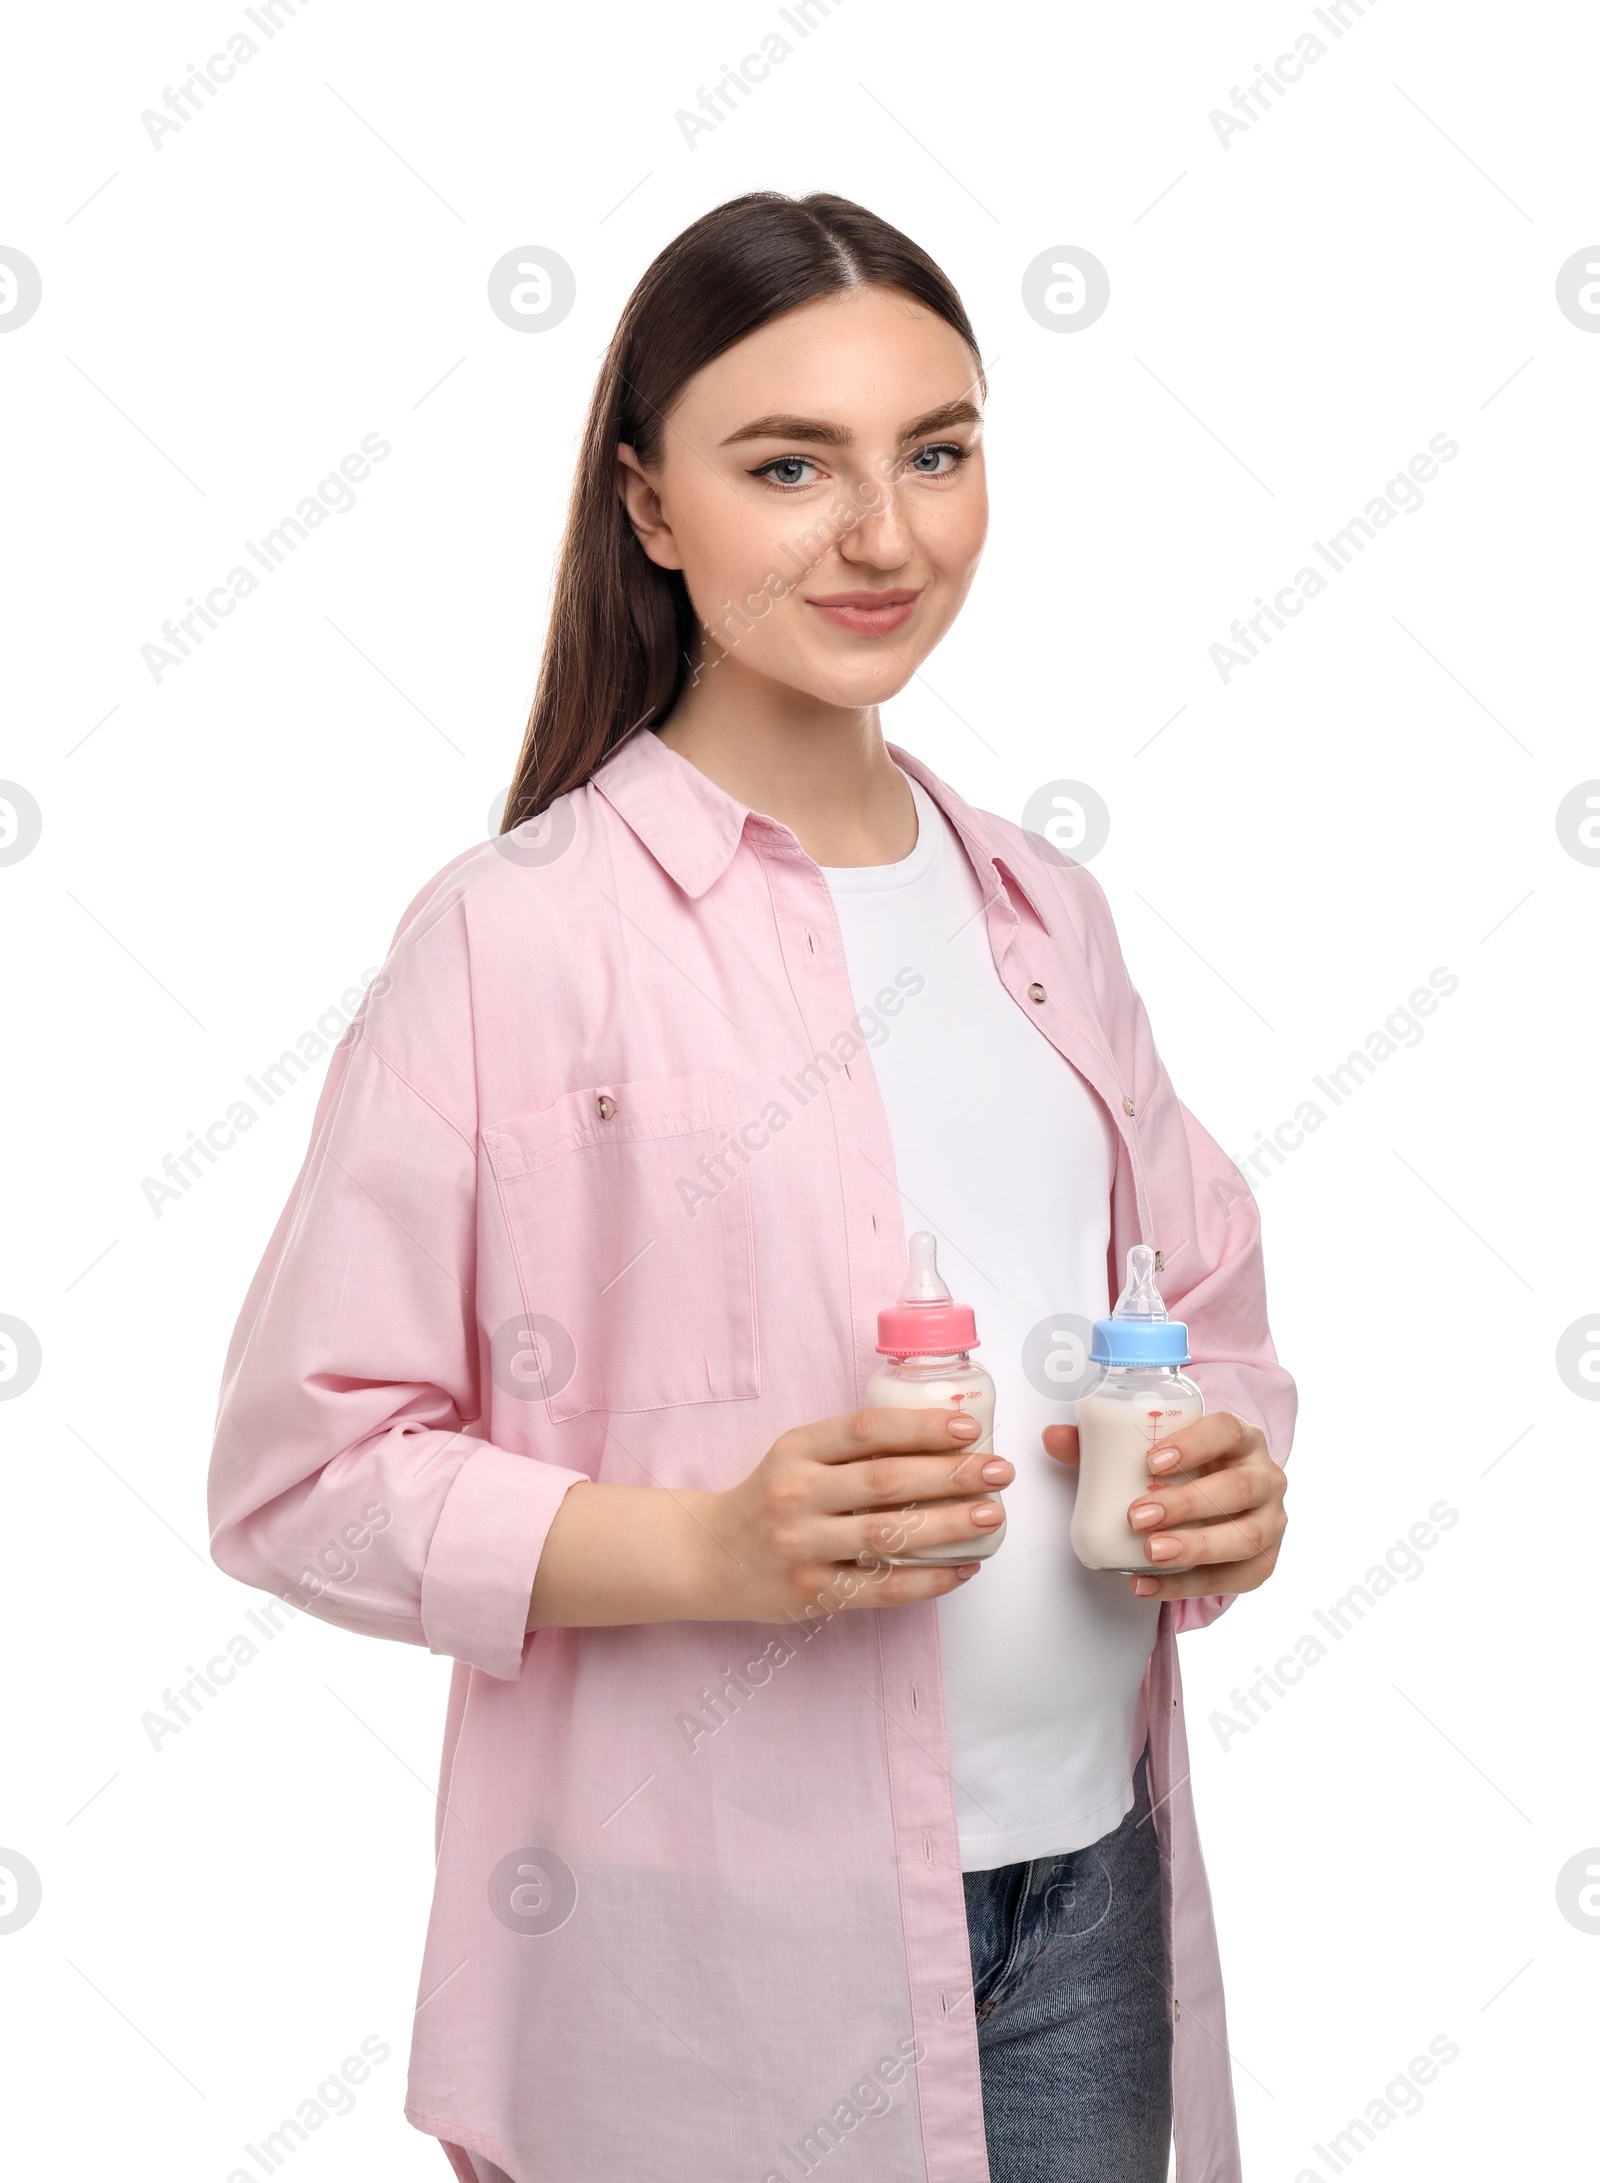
{"points": [[866, 613]]}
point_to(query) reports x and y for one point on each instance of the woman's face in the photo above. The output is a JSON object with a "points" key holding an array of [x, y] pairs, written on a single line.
{"points": [[821, 487]]}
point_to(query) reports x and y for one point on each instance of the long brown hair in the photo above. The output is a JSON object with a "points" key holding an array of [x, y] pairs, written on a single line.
{"points": [[621, 629]]}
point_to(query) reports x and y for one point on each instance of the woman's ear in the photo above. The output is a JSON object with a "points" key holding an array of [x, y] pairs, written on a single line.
{"points": [[643, 504]]}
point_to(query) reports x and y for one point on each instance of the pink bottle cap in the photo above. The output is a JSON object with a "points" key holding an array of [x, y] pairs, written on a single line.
{"points": [[923, 1322]]}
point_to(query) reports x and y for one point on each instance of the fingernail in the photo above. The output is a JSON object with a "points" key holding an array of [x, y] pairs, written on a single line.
{"points": [[1144, 1586], [1165, 1549], [968, 1569], [1145, 1512], [986, 1515], [1165, 1460], [964, 1427], [994, 1473]]}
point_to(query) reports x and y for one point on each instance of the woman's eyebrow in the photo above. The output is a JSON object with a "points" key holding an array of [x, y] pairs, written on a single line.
{"points": [[938, 420], [782, 426]]}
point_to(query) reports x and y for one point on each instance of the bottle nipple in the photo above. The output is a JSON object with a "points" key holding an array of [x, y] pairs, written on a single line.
{"points": [[1140, 1298], [924, 1284], [1138, 1332], [923, 1321]]}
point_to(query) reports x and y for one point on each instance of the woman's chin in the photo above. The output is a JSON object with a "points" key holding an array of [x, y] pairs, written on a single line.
{"points": [[852, 685]]}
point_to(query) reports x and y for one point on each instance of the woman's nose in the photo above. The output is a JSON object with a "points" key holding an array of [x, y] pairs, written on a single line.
{"points": [[880, 537]]}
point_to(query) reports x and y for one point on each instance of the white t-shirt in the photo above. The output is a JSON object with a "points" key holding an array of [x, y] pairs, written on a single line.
{"points": [[1006, 1154]]}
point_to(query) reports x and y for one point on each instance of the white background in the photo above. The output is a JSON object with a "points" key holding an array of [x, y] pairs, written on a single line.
{"points": [[1292, 317]]}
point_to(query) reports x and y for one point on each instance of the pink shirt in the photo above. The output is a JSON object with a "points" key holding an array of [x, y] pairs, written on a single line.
{"points": [[600, 1187]]}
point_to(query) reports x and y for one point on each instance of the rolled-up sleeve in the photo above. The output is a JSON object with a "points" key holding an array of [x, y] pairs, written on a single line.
{"points": [[1220, 1294], [350, 1474]]}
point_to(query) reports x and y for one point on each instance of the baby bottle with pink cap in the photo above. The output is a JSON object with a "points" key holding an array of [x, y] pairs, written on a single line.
{"points": [[925, 1341]]}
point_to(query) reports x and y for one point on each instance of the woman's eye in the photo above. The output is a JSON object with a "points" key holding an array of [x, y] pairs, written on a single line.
{"points": [[932, 462], [790, 472], [787, 470]]}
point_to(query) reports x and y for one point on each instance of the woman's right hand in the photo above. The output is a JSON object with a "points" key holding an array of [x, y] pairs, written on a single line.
{"points": [[809, 1531]]}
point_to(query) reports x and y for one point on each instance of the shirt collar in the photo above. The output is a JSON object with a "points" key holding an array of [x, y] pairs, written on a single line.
{"points": [[692, 827]]}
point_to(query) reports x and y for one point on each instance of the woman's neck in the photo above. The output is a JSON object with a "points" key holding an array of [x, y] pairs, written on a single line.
{"points": [[821, 770]]}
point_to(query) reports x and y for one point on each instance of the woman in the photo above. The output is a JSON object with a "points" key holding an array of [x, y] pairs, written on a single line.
{"points": [[758, 1851]]}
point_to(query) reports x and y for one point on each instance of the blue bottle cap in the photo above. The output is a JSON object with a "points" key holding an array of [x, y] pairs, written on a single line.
{"points": [[1117, 1341], [1138, 1330]]}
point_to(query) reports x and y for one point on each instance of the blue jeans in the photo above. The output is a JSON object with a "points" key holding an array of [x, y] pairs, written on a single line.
{"points": [[1074, 2027]]}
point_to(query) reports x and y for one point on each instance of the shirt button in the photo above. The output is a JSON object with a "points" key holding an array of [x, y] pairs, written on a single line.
{"points": [[1127, 1104], [1036, 993], [605, 1106]]}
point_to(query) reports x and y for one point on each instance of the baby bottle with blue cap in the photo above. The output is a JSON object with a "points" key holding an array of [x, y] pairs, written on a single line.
{"points": [[1137, 1397]]}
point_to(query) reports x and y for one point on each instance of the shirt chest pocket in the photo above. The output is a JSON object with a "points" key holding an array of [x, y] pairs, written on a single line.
{"points": [[636, 1263]]}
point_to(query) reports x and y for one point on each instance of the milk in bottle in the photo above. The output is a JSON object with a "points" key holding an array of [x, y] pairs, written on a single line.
{"points": [[1137, 1398], [925, 1341]]}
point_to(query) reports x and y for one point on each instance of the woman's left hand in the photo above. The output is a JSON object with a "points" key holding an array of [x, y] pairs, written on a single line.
{"points": [[1213, 1518]]}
